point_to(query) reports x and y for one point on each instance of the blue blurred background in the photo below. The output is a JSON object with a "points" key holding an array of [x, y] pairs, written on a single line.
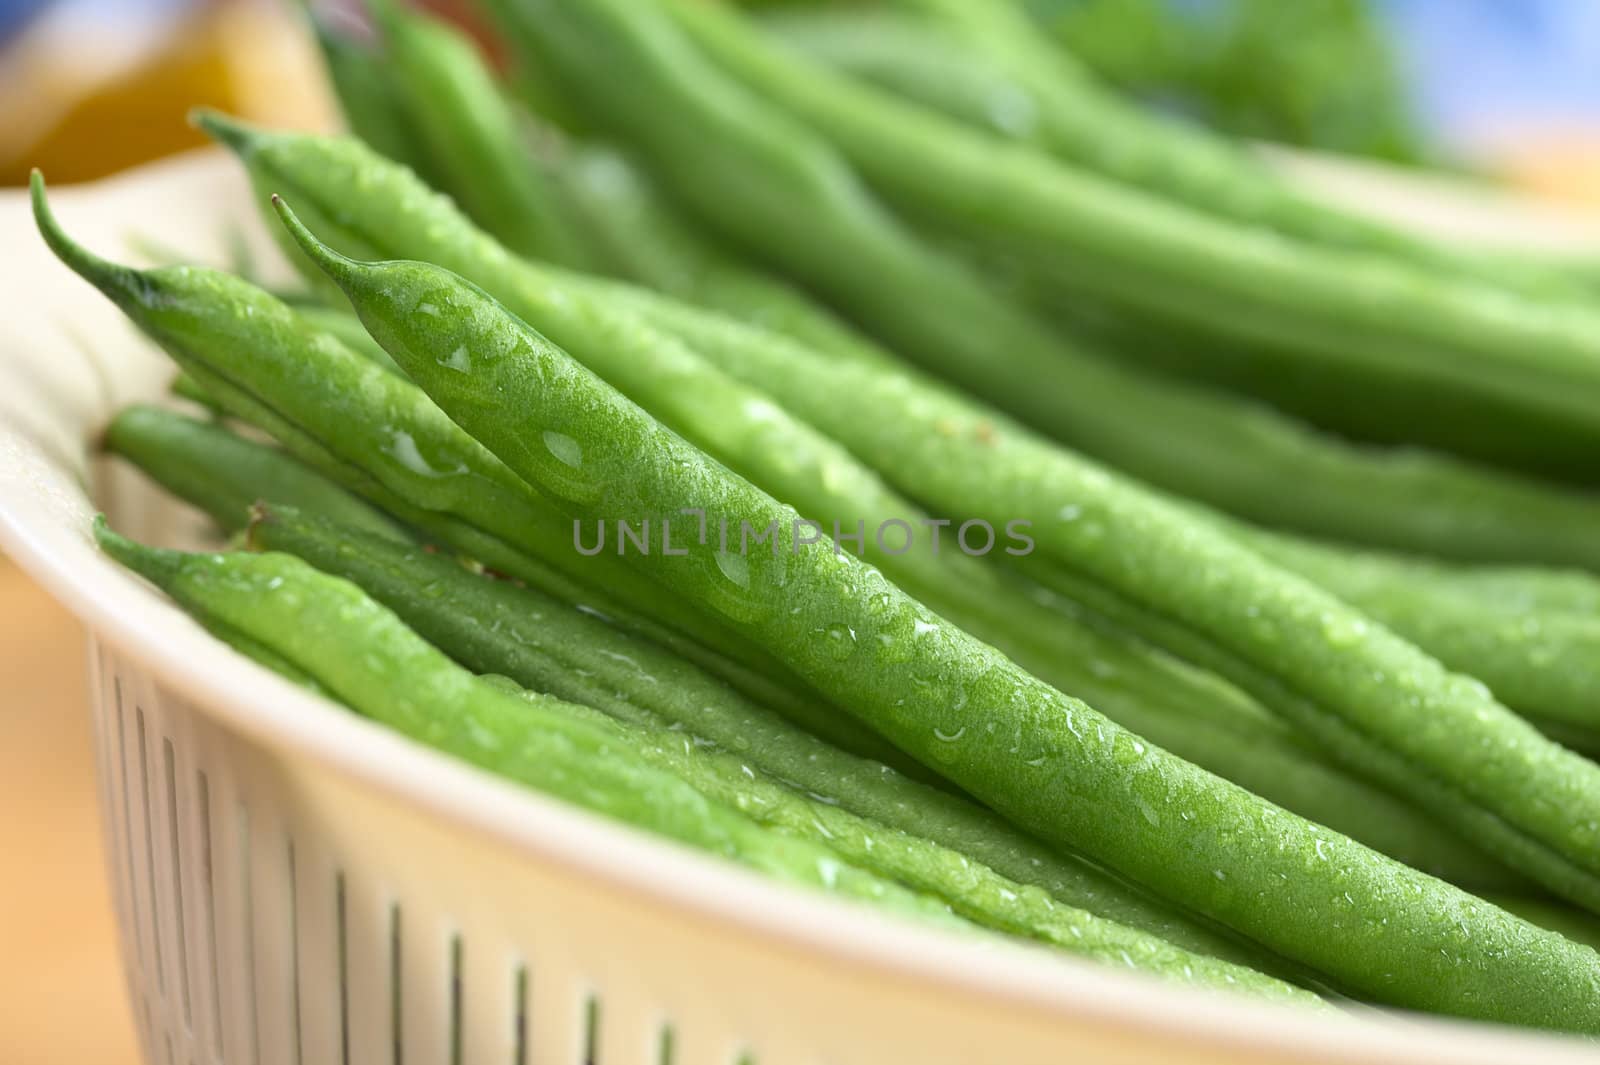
{"points": [[1471, 64]]}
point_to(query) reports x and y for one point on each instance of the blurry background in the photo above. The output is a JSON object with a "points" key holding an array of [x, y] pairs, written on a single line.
{"points": [[1504, 90], [1508, 88]]}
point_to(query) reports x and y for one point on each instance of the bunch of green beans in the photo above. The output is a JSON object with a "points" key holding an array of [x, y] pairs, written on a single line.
{"points": [[1044, 760], [758, 439], [530, 293], [491, 626], [946, 451], [1537, 656], [630, 767], [1211, 448], [622, 357], [1254, 707], [1195, 716], [376, 434], [1496, 367]]}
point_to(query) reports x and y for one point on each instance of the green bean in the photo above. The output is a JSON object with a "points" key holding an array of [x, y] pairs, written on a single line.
{"points": [[1042, 759], [645, 240], [470, 133], [960, 69], [364, 83], [378, 435], [1544, 664], [184, 386], [261, 655], [970, 888], [1509, 379], [796, 201], [1359, 406], [364, 656], [493, 627], [342, 325], [1519, 589], [224, 474]]}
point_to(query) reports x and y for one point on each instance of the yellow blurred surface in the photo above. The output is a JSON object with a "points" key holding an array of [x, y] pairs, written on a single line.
{"points": [[1562, 166], [85, 119], [62, 992]]}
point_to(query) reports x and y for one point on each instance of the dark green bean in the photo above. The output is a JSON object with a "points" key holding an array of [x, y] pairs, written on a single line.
{"points": [[471, 135], [1508, 379], [645, 240], [361, 654], [955, 64], [364, 83], [763, 181], [1042, 759], [224, 474], [493, 627], [186, 387], [1545, 664]]}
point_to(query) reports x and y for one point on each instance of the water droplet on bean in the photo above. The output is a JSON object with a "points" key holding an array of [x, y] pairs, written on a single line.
{"points": [[564, 448]]}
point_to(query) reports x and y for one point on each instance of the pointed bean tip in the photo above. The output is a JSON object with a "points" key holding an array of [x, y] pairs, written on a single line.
{"points": [[114, 280], [157, 566], [332, 263], [225, 129]]}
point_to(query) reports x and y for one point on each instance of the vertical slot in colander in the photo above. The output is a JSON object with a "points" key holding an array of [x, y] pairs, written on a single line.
{"points": [[519, 1046], [147, 832], [344, 968], [140, 913], [319, 994], [272, 936], [208, 902], [175, 872]]}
